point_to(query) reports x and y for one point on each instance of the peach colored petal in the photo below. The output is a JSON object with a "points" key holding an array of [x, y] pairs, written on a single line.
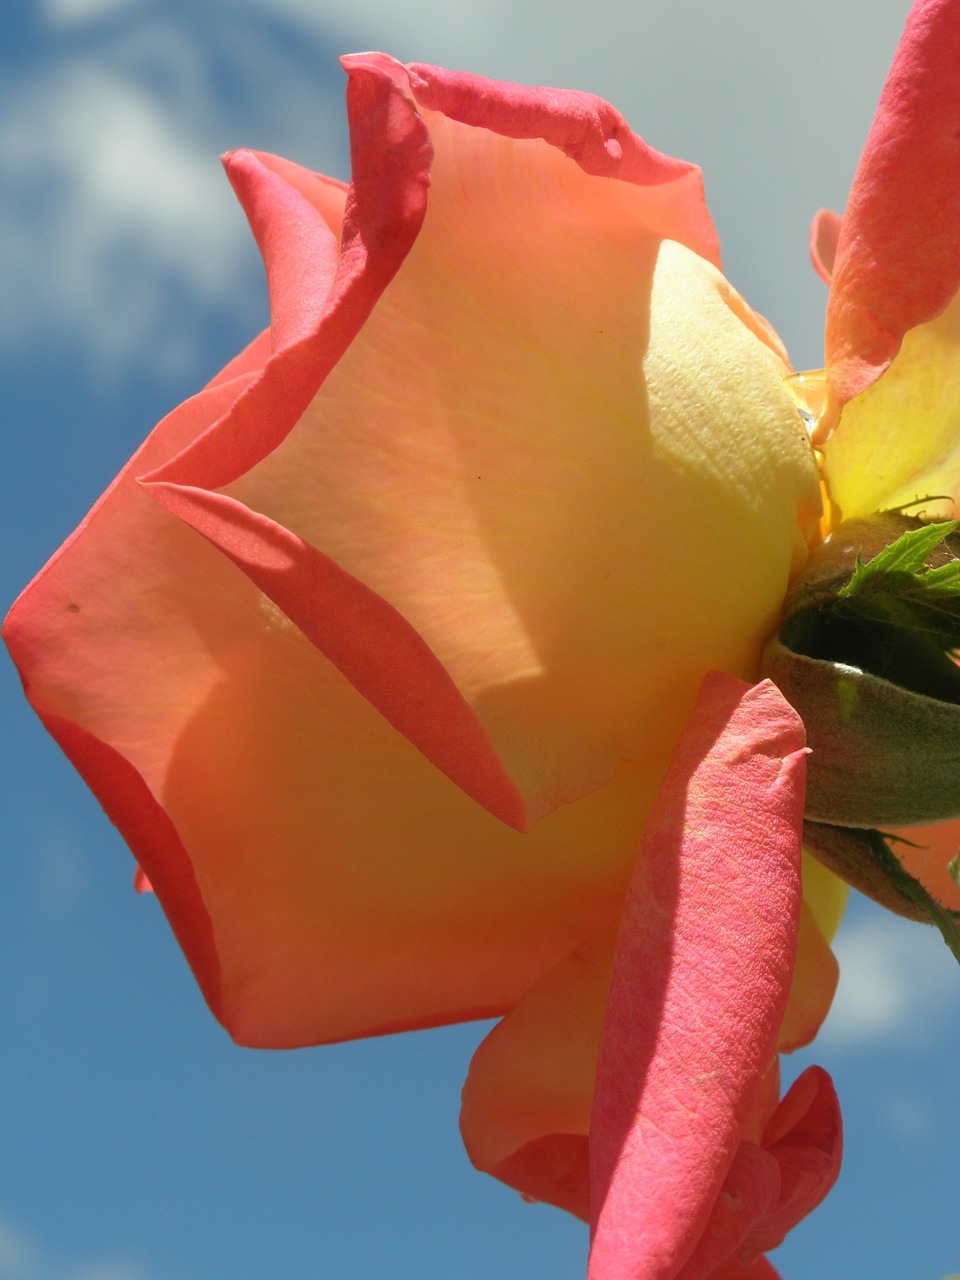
{"points": [[498, 477], [328, 915], [812, 988], [380, 654], [586, 129], [353, 888], [525, 1114], [898, 256], [531, 510], [710, 922], [316, 914], [926, 855]]}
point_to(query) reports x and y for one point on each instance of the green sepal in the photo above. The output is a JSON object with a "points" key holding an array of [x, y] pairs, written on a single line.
{"points": [[865, 655], [881, 756], [907, 555], [944, 580]]}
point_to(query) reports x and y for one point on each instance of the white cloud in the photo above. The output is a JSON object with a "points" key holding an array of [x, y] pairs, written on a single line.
{"points": [[60, 873], [897, 980], [22, 1257], [118, 228], [19, 1256], [104, 201], [68, 13]]}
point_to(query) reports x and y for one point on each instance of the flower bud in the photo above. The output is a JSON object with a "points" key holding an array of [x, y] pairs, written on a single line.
{"points": [[875, 684]]}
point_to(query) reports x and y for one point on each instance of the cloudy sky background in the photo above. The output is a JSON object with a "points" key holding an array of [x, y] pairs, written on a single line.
{"points": [[135, 1142]]}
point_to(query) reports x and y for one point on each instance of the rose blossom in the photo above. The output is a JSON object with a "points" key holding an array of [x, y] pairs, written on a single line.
{"points": [[377, 651]]}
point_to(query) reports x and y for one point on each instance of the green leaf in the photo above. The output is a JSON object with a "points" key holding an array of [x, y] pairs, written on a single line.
{"points": [[907, 555]]}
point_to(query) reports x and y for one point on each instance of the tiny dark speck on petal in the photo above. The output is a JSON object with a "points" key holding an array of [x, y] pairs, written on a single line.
{"points": [[73, 608]]}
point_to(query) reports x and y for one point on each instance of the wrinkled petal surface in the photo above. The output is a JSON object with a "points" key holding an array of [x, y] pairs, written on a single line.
{"points": [[898, 257], [525, 1116], [710, 929]]}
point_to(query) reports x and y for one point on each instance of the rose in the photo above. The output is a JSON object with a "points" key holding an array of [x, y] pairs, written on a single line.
{"points": [[534, 700], [512, 470]]}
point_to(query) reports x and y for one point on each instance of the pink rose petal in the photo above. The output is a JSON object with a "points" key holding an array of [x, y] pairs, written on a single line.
{"points": [[898, 256], [709, 930]]}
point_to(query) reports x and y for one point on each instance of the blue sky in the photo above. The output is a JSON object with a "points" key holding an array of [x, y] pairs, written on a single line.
{"points": [[136, 1143]]}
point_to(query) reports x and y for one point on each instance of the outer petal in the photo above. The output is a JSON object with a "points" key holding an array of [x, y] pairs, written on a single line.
{"points": [[527, 1098], [240, 765], [526, 1102], [773, 1185], [813, 987], [804, 1136], [898, 257], [748, 1195], [710, 922], [528, 512], [498, 477]]}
